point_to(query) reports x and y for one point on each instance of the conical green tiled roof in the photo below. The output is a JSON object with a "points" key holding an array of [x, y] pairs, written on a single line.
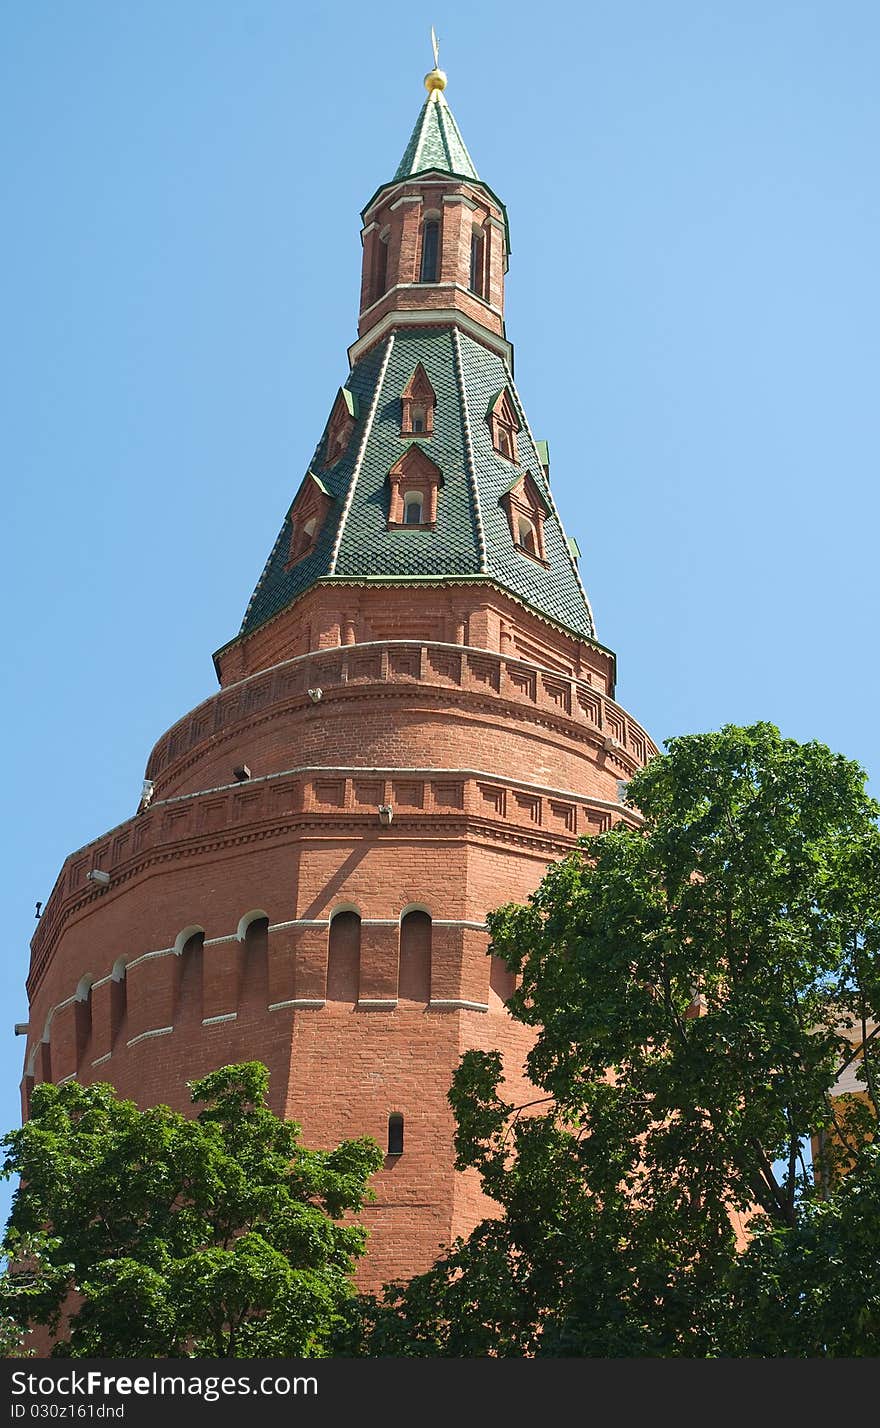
{"points": [[471, 539], [436, 143]]}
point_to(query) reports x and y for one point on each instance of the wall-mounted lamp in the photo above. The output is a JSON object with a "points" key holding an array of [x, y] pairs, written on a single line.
{"points": [[316, 695], [386, 813], [21, 1028], [97, 875], [146, 795], [242, 773]]}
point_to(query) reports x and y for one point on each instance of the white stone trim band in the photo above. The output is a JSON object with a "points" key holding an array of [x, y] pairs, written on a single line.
{"points": [[299, 1003], [148, 957], [158, 1031], [442, 1004]]}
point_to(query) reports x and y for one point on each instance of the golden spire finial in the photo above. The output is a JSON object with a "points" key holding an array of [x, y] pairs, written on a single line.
{"points": [[435, 79]]}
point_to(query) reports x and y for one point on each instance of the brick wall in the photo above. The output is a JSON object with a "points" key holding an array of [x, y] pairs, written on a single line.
{"points": [[216, 939]]}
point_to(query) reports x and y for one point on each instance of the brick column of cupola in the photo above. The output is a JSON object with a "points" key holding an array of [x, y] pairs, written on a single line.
{"points": [[458, 227], [494, 240], [370, 264], [405, 239]]}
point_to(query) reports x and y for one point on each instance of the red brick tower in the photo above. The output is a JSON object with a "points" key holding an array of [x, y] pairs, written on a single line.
{"points": [[413, 720]]}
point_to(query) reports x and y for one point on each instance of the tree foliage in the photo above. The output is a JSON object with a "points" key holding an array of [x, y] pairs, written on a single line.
{"points": [[153, 1234], [695, 982]]}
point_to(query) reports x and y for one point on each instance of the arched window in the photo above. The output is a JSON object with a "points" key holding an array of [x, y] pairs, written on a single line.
{"points": [[344, 958], [395, 1134], [414, 976], [413, 508], [188, 1003], [430, 251], [255, 988], [477, 252], [305, 538], [526, 536]]}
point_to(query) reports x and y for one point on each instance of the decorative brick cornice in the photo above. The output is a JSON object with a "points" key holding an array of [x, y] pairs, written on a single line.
{"points": [[329, 802], [433, 317], [526, 685]]}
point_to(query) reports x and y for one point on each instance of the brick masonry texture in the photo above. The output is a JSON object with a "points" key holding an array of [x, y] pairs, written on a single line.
{"points": [[440, 673], [520, 769]]}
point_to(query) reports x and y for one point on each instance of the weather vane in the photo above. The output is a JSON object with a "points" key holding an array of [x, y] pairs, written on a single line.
{"points": [[435, 79]]}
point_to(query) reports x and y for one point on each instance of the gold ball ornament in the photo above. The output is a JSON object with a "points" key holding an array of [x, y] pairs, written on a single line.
{"points": [[435, 79]]}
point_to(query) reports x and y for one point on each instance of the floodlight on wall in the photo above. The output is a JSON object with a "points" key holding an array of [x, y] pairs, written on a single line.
{"points": [[146, 797], [242, 773], [386, 813], [316, 695], [97, 875], [21, 1028]]}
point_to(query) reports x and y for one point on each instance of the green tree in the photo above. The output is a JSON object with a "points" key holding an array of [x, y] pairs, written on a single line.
{"points": [[694, 983], [216, 1235]]}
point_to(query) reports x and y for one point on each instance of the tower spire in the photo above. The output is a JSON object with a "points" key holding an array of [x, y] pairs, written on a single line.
{"points": [[436, 142]]}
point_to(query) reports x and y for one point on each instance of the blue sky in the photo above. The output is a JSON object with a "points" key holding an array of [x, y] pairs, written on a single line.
{"points": [[693, 297]]}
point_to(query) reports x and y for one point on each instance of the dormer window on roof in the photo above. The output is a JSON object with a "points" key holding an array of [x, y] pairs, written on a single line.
{"points": [[504, 424], [340, 426], [417, 403], [307, 516], [526, 512], [414, 481]]}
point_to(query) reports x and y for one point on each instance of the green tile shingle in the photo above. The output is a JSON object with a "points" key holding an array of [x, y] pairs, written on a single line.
{"points": [[367, 549]]}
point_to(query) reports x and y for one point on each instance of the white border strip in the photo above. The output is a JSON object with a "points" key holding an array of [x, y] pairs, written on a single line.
{"points": [[148, 956], [444, 1004], [213, 1020], [469, 451], [300, 1003], [365, 437], [158, 1031]]}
